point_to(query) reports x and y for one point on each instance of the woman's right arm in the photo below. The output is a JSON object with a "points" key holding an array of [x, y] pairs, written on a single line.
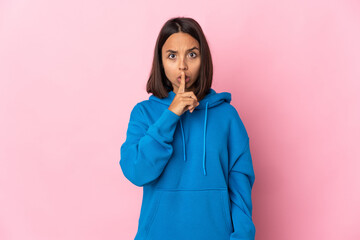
{"points": [[147, 149]]}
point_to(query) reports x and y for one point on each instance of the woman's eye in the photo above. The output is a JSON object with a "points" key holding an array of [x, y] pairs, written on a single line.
{"points": [[195, 54], [169, 56]]}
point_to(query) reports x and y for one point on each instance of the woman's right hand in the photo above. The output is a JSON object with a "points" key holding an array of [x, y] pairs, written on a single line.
{"points": [[183, 101]]}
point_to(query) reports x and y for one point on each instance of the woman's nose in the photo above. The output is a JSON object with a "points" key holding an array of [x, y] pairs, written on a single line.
{"points": [[182, 64]]}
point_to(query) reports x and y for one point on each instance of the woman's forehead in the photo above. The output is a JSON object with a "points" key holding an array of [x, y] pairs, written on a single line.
{"points": [[180, 42]]}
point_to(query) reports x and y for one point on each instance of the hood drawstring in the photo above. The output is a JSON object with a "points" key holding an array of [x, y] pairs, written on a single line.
{"points": [[183, 138], [205, 138]]}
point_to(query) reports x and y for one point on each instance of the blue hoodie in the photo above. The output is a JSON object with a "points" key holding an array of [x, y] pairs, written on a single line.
{"points": [[195, 169]]}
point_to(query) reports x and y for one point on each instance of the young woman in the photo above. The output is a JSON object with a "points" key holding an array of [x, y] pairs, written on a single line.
{"points": [[187, 147]]}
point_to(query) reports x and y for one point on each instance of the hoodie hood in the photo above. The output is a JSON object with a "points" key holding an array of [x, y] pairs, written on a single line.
{"points": [[212, 99]]}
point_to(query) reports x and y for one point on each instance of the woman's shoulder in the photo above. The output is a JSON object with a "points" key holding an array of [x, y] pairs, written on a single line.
{"points": [[141, 105], [228, 109], [146, 105], [234, 115]]}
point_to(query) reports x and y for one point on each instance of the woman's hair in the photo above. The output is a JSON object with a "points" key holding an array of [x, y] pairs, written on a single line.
{"points": [[158, 84]]}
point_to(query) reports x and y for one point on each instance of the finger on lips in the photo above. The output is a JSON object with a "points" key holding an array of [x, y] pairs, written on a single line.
{"points": [[182, 83], [182, 90]]}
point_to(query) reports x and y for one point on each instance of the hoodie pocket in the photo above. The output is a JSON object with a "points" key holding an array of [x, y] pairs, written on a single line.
{"points": [[190, 214]]}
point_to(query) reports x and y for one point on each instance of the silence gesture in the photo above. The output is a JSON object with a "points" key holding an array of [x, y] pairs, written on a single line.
{"points": [[183, 101]]}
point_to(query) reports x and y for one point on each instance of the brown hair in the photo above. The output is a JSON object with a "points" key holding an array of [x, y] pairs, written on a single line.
{"points": [[158, 84]]}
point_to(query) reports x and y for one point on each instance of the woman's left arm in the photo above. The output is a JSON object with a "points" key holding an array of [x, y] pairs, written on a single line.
{"points": [[241, 180]]}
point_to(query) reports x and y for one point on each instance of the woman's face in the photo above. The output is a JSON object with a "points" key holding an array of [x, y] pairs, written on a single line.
{"points": [[181, 52]]}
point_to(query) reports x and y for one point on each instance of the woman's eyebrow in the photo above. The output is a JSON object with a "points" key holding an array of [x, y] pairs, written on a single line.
{"points": [[172, 51]]}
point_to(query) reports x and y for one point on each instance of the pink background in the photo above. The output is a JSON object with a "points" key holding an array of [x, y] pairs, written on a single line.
{"points": [[71, 71]]}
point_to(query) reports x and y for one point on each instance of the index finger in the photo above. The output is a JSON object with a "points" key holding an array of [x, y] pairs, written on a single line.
{"points": [[182, 83]]}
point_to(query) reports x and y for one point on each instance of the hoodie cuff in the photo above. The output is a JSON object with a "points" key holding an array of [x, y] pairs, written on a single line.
{"points": [[166, 124]]}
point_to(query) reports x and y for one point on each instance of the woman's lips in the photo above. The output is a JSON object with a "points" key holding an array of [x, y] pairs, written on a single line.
{"points": [[187, 79]]}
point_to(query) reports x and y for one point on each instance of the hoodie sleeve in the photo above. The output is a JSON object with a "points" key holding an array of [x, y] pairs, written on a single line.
{"points": [[147, 149], [241, 180]]}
